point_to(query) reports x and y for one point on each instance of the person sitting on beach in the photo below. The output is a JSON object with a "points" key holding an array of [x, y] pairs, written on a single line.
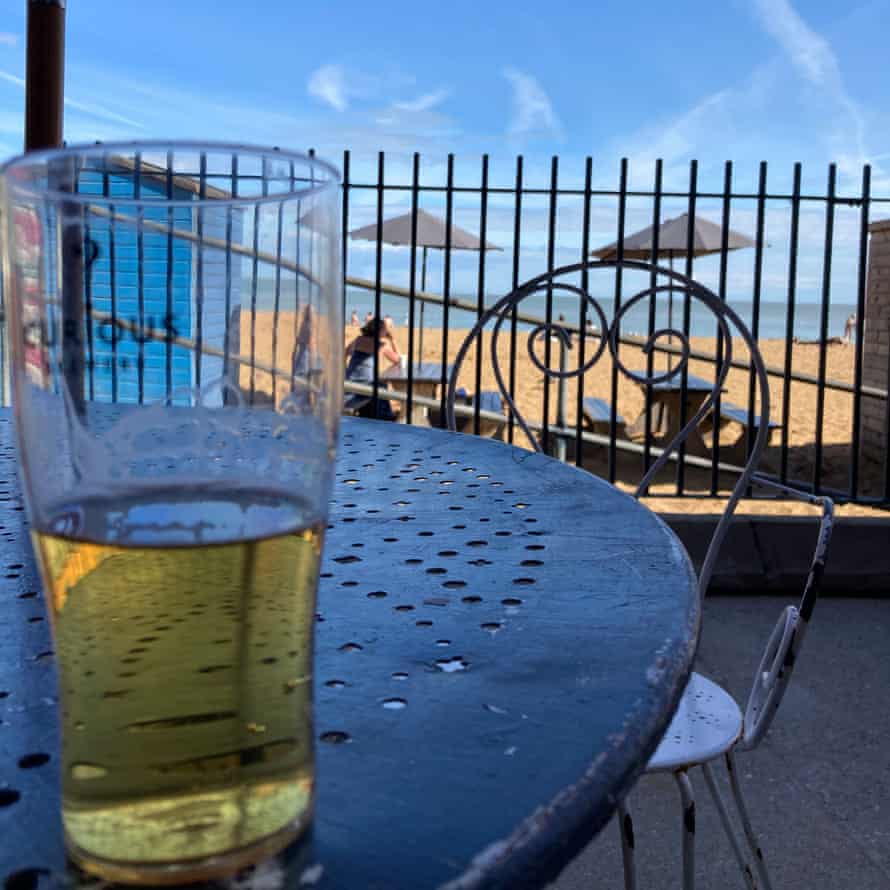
{"points": [[389, 328], [360, 367]]}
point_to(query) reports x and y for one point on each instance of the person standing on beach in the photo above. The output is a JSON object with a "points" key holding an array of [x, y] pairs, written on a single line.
{"points": [[354, 319], [850, 328]]}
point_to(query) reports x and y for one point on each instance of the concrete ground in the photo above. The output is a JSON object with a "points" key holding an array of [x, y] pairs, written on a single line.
{"points": [[818, 787]]}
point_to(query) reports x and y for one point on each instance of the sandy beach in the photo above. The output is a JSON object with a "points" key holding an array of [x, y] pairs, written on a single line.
{"points": [[803, 407], [803, 403]]}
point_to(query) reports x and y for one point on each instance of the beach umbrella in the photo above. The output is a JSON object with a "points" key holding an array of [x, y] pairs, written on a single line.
{"points": [[673, 241], [432, 232]]}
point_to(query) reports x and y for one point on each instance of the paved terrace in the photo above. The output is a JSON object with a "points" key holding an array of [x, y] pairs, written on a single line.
{"points": [[818, 787]]}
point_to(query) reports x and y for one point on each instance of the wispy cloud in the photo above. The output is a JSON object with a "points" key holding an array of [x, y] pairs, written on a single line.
{"points": [[533, 113], [328, 84], [12, 78], [680, 138], [8, 39], [815, 60], [802, 87], [426, 102], [338, 86], [91, 109]]}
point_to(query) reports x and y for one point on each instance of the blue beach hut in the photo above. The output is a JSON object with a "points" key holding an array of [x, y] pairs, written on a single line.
{"points": [[168, 271]]}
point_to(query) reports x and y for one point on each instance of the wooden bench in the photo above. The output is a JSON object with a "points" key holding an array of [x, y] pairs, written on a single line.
{"points": [[735, 451], [732, 412], [488, 401], [598, 417]]}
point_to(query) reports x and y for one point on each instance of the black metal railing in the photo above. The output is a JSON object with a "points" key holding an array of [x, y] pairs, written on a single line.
{"points": [[801, 225], [808, 262]]}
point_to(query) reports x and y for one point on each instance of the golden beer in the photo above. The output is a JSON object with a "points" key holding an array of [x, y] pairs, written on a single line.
{"points": [[185, 674]]}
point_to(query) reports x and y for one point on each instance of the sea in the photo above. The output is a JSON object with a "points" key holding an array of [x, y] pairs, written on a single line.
{"points": [[773, 320]]}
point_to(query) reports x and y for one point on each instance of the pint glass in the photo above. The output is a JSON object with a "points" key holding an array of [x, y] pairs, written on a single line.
{"points": [[173, 315]]}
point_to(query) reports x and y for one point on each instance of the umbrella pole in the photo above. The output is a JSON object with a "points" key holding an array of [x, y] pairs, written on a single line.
{"points": [[670, 308], [422, 305]]}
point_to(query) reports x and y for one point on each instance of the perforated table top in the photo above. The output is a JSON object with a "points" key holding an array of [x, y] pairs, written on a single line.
{"points": [[501, 641]]}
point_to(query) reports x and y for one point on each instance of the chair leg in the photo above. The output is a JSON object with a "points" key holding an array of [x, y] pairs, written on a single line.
{"points": [[626, 830], [759, 862], [729, 828], [688, 801]]}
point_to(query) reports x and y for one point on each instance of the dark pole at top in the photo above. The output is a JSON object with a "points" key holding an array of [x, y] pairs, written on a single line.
{"points": [[44, 105], [45, 74]]}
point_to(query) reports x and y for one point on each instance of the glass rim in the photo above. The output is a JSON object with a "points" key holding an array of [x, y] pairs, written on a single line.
{"points": [[47, 155]]}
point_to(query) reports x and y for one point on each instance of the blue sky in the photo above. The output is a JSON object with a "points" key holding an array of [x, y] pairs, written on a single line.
{"points": [[746, 80]]}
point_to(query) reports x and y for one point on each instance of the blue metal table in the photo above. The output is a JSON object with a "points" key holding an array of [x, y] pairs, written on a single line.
{"points": [[501, 641]]}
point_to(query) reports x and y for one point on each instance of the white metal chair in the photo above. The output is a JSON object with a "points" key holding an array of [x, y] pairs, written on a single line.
{"points": [[708, 724]]}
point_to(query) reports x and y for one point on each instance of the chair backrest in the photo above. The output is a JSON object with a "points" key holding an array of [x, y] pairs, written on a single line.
{"points": [[783, 647], [661, 280]]}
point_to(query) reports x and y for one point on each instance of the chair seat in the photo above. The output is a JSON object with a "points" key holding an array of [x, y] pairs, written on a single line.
{"points": [[707, 724]]}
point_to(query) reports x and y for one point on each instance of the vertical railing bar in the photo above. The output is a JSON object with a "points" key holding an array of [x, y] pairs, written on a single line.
{"points": [[755, 308], [295, 334], [254, 284], [724, 263], [480, 282], [687, 318], [548, 313], [140, 276], [887, 439], [88, 304], [861, 279], [412, 281], [582, 315], [168, 320], [227, 344], [276, 308], [112, 271], [298, 259], [344, 233], [446, 280], [378, 275], [653, 281], [619, 255], [199, 311], [789, 319], [823, 326], [517, 239]]}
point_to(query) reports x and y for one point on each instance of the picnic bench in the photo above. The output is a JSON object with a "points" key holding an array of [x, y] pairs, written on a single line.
{"points": [[489, 401], [732, 415], [598, 417]]}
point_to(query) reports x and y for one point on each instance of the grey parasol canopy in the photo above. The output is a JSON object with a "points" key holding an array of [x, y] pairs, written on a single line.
{"points": [[431, 232], [673, 240]]}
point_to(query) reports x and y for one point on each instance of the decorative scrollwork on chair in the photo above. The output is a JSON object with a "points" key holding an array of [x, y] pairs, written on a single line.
{"points": [[662, 280]]}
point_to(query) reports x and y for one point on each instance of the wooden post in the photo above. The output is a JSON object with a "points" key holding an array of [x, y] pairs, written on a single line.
{"points": [[45, 74], [44, 115]]}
